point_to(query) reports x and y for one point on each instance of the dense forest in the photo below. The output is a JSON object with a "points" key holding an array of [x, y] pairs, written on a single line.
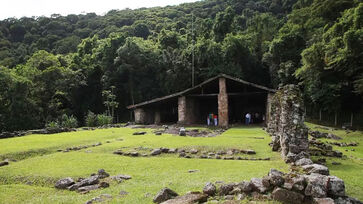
{"points": [[64, 65]]}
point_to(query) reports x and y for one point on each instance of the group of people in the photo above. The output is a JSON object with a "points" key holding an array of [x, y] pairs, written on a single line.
{"points": [[253, 118], [212, 119]]}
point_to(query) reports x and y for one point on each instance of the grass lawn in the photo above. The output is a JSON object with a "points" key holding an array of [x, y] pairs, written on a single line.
{"points": [[352, 162], [39, 166]]}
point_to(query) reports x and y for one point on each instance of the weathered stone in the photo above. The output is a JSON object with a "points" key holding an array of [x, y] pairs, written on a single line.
{"points": [[347, 200], [286, 123], [64, 183], [164, 195], [155, 152], [102, 174], [317, 185], [88, 188], [172, 151], [276, 177], [298, 183], [323, 201], [303, 161], [164, 150], [139, 133], [121, 177], [134, 154], [316, 168], [101, 198], [235, 191], [210, 189], [223, 103], [182, 132], [286, 196], [246, 186], [336, 187], [182, 154], [229, 197], [225, 189], [259, 185], [241, 196], [193, 151], [123, 193], [189, 198], [118, 152]]}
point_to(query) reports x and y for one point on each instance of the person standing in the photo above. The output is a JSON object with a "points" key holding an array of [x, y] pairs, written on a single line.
{"points": [[215, 120], [210, 118], [208, 121], [248, 118]]}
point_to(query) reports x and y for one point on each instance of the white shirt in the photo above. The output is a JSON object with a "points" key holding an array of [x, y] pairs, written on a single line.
{"points": [[248, 115]]}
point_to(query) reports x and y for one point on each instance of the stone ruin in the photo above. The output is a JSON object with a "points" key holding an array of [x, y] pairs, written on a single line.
{"points": [[290, 136], [286, 124]]}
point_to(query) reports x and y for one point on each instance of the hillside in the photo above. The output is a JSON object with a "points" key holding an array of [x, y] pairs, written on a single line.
{"points": [[62, 65]]}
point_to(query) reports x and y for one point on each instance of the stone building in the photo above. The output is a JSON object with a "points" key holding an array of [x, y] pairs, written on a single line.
{"points": [[228, 97]]}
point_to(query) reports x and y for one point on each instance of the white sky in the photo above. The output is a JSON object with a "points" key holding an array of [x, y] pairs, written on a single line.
{"points": [[29, 8]]}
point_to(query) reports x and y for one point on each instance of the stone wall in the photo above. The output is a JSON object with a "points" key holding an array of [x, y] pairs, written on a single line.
{"points": [[286, 125]]}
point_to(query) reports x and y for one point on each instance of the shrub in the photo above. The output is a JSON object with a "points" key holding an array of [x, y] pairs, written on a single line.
{"points": [[91, 119], [68, 121], [52, 125], [103, 119]]}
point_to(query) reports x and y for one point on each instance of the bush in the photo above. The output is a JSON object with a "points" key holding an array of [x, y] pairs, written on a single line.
{"points": [[52, 125], [103, 119], [91, 119], [68, 121]]}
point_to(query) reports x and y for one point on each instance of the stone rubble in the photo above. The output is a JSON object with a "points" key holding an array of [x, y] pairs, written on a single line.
{"points": [[164, 195], [85, 185], [285, 188]]}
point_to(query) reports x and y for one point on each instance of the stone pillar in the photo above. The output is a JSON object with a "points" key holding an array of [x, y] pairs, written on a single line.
{"points": [[182, 109], [140, 116], [187, 110], [157, 117], [268, 107], [223, 103], [286, 124]]}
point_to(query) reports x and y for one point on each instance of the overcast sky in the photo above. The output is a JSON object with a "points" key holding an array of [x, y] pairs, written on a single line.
{"points": [[20, 8]]}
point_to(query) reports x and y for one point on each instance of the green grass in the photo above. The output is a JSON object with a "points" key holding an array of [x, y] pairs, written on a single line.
{"points": [[352, 162], [31, 179], [39, 166]]}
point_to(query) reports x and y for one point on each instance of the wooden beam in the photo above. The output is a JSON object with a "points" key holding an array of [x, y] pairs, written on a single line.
{"points": [[229, 94]]}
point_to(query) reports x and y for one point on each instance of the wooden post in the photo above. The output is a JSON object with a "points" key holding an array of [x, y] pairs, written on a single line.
{"points": [[351, 120], [336, 119], [320, 115]]}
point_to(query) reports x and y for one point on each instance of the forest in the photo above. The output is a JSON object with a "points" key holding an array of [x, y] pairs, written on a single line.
{"points": [[80, 65]]}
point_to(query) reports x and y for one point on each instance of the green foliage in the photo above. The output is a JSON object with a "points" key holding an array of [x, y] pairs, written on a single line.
{"points": [[64, 64], [103, 119], [52, 125], [91, 119], [68, 121], [94, 120]]}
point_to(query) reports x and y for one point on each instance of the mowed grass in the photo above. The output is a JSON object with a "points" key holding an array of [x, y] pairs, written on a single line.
{"points": [[31, 179], [351, 166]]}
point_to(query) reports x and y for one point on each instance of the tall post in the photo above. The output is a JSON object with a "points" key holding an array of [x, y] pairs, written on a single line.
{"points": [[351, 120], [223, 103], [336, 119], [320, 115]]}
